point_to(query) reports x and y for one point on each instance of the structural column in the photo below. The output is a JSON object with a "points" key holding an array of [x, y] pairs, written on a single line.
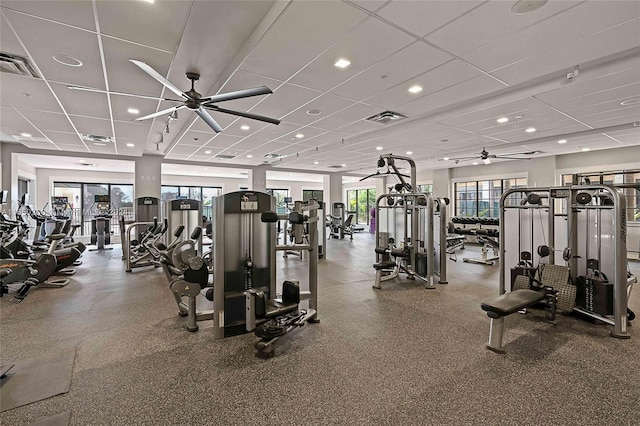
{"points": [[259, 178], [335, 190], [148, 177]]}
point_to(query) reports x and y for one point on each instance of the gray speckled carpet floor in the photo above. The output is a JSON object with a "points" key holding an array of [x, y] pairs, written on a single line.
{"points": [[400, 355]]}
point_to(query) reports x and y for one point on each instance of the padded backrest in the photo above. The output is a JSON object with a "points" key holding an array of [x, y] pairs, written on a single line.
{"points": [[554, 275], [290, 292], [348, 221]]}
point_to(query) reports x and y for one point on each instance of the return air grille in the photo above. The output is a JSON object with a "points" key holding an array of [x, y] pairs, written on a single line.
{"points": [[387, 117], [16, 64]]}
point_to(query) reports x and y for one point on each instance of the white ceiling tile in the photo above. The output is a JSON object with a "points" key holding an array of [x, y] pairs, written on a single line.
{"points": [[161, 27], [73, 148], [223, 141], [9, 117], [608, 42], [456, 94], [366, 44], [39, 145], [10, 44], [184, 149], [488, 23], [77, 102], [423, 17], [370, 5], [354, 113], [43, 39], [411, 61], [285, 99], [327, 104], [564, 29], [307, 21], [49, 120], [26, 92], [76, 13], [432, 81], [132, 130], [92, 126]]}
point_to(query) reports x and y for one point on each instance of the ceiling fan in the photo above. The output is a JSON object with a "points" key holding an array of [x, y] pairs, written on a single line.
{"points": [[194, 100], [486, 157]]}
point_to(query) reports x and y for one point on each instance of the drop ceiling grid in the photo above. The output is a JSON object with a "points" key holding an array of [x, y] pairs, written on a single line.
{"points": [[612, 41], [366, 44], [43, 39], [581, 21], [49, 120], [489, 23], [308, 22], [87, 104], [79, 14], [24, 92]]}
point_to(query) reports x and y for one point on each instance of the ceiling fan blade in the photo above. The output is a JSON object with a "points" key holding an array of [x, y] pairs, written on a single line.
{"points": [[243, 114], [154, 74], [208, 119], [107, 92], [500, 157], [245, 93], [370, 176], [163, 112], [459, 159]]}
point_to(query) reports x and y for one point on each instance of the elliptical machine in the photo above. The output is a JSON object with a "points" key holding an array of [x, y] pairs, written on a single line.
{"points": [[101, 222]]}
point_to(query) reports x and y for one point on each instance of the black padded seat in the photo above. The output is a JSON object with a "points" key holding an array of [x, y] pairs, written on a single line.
{"points": [[384, 265], [4, 272], [508, 303], [275, 308]]}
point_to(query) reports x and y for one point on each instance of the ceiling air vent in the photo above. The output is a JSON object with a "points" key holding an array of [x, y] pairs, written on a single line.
{"points": [[274, 156], [96, 138], [16, 64], [386, 117], [225, 156]]}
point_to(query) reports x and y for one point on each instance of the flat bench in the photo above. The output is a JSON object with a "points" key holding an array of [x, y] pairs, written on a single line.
{"points": [[507, 304]]}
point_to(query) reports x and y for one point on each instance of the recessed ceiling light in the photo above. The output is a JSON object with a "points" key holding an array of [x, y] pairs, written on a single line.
{"points": [[586, 149], [316, 162], [133, 111], [409, 152], [131, 145], [99, 144], [342, 63], [502, 120], [530, 130], [69, 61], [525, 6], [25, 135], [149, 1], [519, 116], [446, 158], [562, 141], [299, 136], [379, 148], [249, 156], [314, 112], [475, 163], [630, 102], [245, 127], [208, 151], [415, 89], [343, 165]]}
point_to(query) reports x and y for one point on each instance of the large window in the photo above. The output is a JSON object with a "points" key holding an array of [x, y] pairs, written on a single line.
{"points": [[359, 203], [206, 194], [280, 194], [308, 194], [614, 178], [81, 197], [426, 188], [482, 198]]}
